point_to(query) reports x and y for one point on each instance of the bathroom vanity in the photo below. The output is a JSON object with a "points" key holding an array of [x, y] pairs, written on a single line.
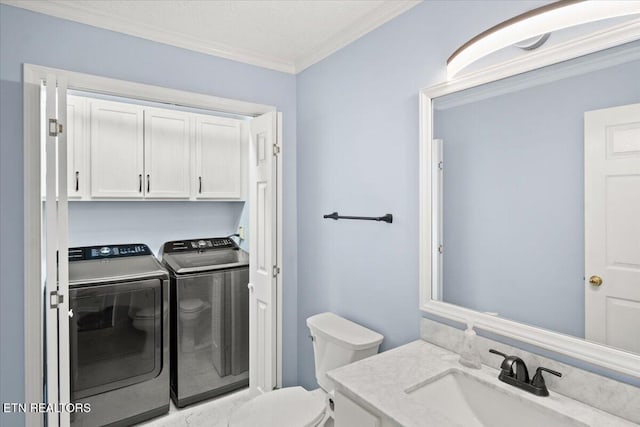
{"points": [[422, 384]]}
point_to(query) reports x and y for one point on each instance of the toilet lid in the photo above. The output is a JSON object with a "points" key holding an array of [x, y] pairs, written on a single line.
{"points": [[190, 305], [287, 407], [146, 313]]}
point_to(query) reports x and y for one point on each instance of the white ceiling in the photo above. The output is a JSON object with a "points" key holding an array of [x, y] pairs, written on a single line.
{"points": [[283, 35]]}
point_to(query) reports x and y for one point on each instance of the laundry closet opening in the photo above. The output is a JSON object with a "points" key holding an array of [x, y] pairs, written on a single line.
{"points": [[192, 163], [159, 246]]}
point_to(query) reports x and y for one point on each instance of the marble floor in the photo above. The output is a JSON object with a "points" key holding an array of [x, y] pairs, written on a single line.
{"points": [[211, 413]]}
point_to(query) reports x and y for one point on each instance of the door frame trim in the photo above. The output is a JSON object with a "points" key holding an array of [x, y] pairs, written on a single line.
{"points": [[32, 76], [33, 330]]}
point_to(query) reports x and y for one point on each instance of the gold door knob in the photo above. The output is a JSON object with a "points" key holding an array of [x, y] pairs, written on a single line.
{"points": [[595, 280]]}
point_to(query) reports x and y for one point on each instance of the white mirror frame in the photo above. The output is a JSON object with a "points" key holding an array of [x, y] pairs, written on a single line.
{"points": [[576, 348]]}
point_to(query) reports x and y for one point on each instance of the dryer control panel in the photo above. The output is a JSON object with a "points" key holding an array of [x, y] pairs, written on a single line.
{"points": [[112, 251], [200, 244]]}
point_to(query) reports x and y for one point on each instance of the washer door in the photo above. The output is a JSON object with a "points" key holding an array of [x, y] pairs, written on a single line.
{"points": [[115, 335]]}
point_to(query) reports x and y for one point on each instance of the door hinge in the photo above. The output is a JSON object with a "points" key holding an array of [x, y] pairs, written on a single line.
{"points": [[276, 270], [440, 165], [55, 128], [276, 149], [440, 249], [55, 299]]}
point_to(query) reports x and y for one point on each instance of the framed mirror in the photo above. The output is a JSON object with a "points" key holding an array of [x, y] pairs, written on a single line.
{"points": [[530, 199]]}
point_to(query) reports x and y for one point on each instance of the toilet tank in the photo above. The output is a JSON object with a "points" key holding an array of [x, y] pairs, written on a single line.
{"points": [[338, 342]]}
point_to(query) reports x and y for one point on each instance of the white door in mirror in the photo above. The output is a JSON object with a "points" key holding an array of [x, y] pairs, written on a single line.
{"points": [[612, 226]]}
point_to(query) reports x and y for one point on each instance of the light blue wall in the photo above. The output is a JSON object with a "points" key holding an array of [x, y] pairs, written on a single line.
{"points": [[27, 37], [514, 197], [358, 155], [152, 223]]}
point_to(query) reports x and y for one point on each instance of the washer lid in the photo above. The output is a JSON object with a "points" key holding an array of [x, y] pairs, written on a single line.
{"points": [[110, 270], [190, 305], [287, 407], [207, 260]]}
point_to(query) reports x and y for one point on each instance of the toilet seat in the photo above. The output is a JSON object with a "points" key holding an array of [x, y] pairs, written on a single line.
{"points": [[287, 407], [191, 305]]}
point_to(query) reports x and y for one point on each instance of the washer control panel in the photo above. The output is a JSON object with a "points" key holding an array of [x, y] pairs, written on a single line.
{"points": [[200, 244], [112, 251]]}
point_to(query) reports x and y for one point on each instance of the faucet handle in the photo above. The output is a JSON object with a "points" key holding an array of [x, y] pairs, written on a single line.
{"points": [[538, 380], [499, 353], [513, 366], [506, 363]]}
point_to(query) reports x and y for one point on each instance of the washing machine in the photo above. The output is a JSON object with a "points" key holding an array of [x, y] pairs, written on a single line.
{"points": [[118, 334], [209, 317]]}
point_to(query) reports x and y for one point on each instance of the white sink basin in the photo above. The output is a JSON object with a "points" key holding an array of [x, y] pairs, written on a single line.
{"points": [[473, 402]]}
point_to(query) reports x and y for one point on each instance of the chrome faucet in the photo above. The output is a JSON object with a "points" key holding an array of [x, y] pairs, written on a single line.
{"points": [[513, 371]]}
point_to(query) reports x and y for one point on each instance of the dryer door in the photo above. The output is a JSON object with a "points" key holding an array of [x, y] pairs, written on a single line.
{"points": [[115, 335]]}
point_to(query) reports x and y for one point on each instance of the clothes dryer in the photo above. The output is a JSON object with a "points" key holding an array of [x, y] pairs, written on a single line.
{"points": [[118, 334]]}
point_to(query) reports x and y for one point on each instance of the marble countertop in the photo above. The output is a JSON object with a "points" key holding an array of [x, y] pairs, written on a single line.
{"points": [[381, 382]]}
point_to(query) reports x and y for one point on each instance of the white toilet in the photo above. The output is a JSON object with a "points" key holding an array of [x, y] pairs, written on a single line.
{"points": [[336, 342], [190, 309], [144, 320]]}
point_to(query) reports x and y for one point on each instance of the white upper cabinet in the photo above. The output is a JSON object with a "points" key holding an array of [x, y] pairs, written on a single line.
{"points": [[166, 153], [218, 159], [117, 150], [77, 151], [121, 151]]}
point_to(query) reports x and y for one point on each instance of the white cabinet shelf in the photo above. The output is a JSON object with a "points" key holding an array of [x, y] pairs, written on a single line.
{"points": [[123, 151]]}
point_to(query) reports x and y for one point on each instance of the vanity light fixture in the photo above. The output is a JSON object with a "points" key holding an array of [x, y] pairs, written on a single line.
{"points": [[546, 19]]}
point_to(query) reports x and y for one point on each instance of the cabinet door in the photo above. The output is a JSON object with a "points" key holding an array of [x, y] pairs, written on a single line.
{"points": [[166, 153], [348, 414], [117, 148], [77, 147], [218, 158]]}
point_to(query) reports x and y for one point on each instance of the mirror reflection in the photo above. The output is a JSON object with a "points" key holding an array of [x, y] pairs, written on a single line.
{"points": [[537, 197]]}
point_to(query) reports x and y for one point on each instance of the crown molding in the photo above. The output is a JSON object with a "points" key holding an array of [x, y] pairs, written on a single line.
{"points": [[75, 11]]}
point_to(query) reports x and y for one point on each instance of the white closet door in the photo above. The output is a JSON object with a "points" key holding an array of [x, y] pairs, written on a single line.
{"points": [[56, 301], [218, 158], [263, 268], [612, 226], [77, 147], [117, 150], [166, 153]]}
